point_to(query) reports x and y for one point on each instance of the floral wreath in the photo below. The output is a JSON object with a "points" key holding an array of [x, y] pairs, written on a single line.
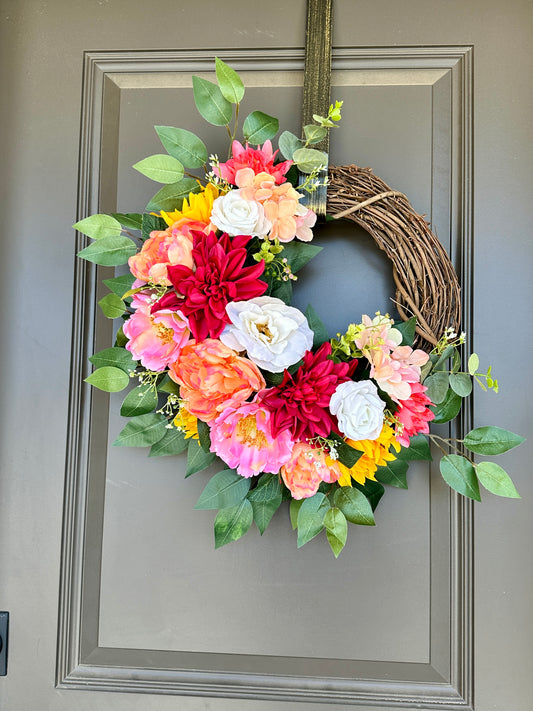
{"points": [[228, 370]]}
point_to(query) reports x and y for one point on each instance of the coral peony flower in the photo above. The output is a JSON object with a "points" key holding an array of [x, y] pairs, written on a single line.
{"points": [[163, 249], [219, 278], [301, 402], [155, 339], [306, 469], [234, 214], [213, 377], [358, 409], [260, 160], [413, 415], [376, 453], [273, 334], [197, 208], [242, 438]]}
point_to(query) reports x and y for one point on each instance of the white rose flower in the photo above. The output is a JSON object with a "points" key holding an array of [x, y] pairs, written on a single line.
{"points": [[358, 409], [235, 215], [273, 334]]}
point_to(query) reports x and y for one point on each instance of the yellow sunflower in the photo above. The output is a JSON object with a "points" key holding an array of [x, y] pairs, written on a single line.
{"points": [[187, 423], [375, 454], [197, 208]]}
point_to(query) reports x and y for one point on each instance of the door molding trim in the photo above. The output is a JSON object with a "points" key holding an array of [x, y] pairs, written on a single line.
{"points": [[447, 681]]}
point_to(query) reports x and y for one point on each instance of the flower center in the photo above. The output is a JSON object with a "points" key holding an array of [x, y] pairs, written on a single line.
{"points": [[164, 333], [264, 330], [248, 433]]}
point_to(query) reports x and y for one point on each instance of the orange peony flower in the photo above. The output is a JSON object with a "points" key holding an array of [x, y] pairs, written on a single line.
{"points": [[213, 377], [307, 468]]}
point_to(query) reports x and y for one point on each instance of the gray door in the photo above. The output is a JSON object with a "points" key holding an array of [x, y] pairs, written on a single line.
{"points": [[110, 577]]}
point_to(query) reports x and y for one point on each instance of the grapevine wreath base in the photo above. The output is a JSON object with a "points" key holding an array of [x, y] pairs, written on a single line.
{"points": [[426, 283]]}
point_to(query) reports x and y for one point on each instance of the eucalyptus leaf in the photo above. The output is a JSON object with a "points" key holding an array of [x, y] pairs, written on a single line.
{"points": [[354, 505], [183, 145], [161, 167], [473, 363], [170, 197], [139, 401], [288, 143], [316, 325], [315, 134], [336, 529], [210, 102], [112, 306], [309, 159], [197, 458], [109, 379], [437, 387], [408, 330], [229, 81], [259, 127], [491, 440], [142, 431], [109, 251], [223, 490], [459, 473], [233, 522], [116, 357], [173, 442], [448, 409], [496, 480], [98, 226], [461, 383]]}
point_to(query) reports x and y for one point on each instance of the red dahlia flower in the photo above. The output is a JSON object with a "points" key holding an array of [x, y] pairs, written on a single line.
{"points": [[301, 402], [219, 278]]}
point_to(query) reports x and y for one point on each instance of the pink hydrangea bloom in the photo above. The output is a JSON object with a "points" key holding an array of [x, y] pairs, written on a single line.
{"points": [[395, 373], [242, 438], [260, 160], [156, 339], [413, 415], [377, 334], [306, 469]]}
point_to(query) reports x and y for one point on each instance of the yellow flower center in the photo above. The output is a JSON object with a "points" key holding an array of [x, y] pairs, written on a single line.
{"points": [[164, 333], [264, 329], [248, 433]]}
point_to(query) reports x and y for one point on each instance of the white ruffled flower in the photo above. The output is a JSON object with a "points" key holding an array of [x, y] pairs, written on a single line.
{"points": [[235, 215], [358, 409], [273, 334]]}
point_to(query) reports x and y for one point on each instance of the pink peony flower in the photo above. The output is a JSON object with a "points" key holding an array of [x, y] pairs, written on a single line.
{"points": [[213, 377], [155, 339], [241, 437], [306, 469], [163, 249], [414, 415], [260, 160], [395, 373]]}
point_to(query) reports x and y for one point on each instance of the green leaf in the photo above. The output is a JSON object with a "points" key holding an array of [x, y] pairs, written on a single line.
{"points": [[117, 357], [309, 159], [173, 442], [354, 505], [170, 197], [232, 523], [161, 168], [288, 143], [210, 102], [131, 220], [294, 510], [259, 127], [121, 339], [197, 458], [316, 325], [311, 517], [268, 488], [408, 331], [112, 306], [393, 473], [439, 361], [347, 455], [496, 480], [151, 223], [109, 379], [299, 253], [263, 512], [224, 489], [109, 251], [418, 449], [473, 363], [448, 408], [229, 81], [98, 226], [491, 440], [168, 386], [121, 284], [315, 134], [204, 435], [373, 491], [283, 290], [183, 145], [336, 529], [461, 383], [142, 431], [139, 401], [437, 387], [459, 473]]}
